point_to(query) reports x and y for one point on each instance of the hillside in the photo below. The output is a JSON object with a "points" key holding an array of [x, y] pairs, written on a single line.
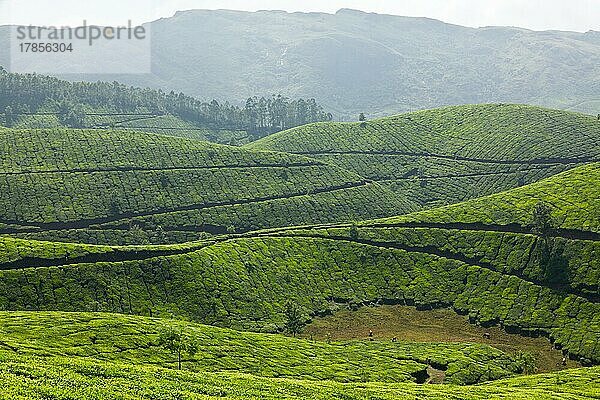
{"points": [[448, 155], [354, 62], [135, 340], [168, 125], [131, 188], [496, 274], [30, 101], [63, 378], [572, 196]]}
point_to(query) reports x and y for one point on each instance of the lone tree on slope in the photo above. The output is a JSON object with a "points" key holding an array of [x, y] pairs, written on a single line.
{"points": [[178, 342], [293, 318], [554, 266], [526, 362], [542, 223], [362, 117]]}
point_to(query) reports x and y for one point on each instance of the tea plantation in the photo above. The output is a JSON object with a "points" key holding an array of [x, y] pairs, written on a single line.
{"points": [[168, 125], [109, 237], [136, 340], [572, 196], [24, 377], [494, 276], [119, 187], [452, 154], [79, 355]]}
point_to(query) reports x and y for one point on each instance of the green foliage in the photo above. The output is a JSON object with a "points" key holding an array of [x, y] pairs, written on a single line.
{"points": [[294, 321], [66, 378], [156, 189], [526, 361], [452, 154], [542, 223], [35, 101], [478, 257], [178, 342], [71, 115], [135, 340], [9, 116], [572, 196], [245, 283], [494, 276]]}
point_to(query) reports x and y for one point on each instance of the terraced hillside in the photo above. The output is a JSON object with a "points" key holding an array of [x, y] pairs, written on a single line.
{"points": [[64, 378], [169, 125], [497, 273], [133, 339], [130, 188], [452, 154], [105, 356]]}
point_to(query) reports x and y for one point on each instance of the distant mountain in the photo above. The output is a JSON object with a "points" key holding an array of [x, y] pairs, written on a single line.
{"points": [[355, 62]]}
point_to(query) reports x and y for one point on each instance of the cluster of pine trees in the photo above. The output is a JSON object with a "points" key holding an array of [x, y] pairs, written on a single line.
{"points": [[32, 93]]}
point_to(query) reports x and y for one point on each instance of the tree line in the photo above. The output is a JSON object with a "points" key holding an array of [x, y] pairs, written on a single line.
{"points": [[32, 93]]}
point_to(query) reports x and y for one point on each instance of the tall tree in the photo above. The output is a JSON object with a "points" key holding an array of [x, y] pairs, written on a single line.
{"points": [[294, 321], [178, 342]]}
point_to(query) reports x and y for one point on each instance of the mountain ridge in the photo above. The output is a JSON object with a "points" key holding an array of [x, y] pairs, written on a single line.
{"points": [[354, 62]]}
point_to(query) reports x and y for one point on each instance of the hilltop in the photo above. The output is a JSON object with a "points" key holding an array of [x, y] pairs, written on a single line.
{"points": [[452, 154], [35, 101], [121, 187], [353, 61]]}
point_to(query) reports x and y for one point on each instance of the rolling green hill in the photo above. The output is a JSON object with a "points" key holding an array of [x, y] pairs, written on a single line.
{"points": [[67, 378], [122, 187], [448, 155], [497, 274], [168, 227], [85, 355], [572, 196], [135, 340]]}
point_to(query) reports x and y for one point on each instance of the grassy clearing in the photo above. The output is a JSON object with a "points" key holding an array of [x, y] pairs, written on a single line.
{"points": [[443, 325]]}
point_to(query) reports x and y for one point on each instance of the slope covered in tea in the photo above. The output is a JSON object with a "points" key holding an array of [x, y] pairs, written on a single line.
{"points": [[529, 284], [452, 154], [133, 188]]}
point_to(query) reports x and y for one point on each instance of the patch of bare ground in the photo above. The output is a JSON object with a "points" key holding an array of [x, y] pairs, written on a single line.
{"points": [[407, 324]]}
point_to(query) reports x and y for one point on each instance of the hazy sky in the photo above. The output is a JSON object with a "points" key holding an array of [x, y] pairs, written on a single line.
{"points": [[576, 15]]}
